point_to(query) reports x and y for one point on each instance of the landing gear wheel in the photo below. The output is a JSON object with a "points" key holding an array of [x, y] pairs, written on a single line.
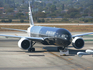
{"points": [[31, 50]]}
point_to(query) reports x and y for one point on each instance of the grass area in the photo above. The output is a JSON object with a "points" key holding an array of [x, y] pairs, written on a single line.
{"points": [[75, 28], [15, 27], [89, 35], [88, 40]]}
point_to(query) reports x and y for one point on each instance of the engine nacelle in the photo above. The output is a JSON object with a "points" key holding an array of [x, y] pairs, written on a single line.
{"points": [[78, 42], [24, 43]]}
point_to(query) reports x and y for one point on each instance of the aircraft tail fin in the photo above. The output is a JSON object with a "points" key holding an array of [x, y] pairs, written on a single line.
{"points": [[30, 16]]}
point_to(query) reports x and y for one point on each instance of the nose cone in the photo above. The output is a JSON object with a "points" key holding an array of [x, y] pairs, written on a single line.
{"points": [[65, 37], [65, 34]]}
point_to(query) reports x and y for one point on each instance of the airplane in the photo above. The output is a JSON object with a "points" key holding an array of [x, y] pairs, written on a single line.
{"points": [[47, 36], [87, 52]]}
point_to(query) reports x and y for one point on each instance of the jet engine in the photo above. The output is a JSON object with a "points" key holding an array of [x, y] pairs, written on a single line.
{"points": [[24, 43], [78, 42]]}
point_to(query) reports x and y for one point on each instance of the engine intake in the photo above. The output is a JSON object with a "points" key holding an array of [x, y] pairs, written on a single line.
{"points": [[24, 43], [78, 43]]}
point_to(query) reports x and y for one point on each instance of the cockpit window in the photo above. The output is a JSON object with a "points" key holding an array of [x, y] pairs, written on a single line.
{"points": [[64, 36]]}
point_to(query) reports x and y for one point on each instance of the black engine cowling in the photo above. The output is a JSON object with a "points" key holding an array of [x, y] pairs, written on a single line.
{"points": [[24, 43], [78, 43]]}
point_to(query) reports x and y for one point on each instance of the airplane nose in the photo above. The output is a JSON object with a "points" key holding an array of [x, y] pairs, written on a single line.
{"points": [[67, 39], [64, 37]]}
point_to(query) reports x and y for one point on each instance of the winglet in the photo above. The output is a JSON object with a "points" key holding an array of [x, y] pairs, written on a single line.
{"points": [[30, 16]]}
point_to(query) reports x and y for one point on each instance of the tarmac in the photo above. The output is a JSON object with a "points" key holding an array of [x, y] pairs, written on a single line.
{"points": [[45, 57]]}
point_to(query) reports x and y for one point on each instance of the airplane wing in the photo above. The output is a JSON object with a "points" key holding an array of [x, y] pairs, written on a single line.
{"points": [[77, 35], [30, 38], [14, 29]]}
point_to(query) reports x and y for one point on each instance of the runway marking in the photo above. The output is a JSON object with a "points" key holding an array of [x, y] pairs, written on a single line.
{"points": [[45, 52], [60, 57], [67, 60], [77, 69], [73, 69], [88, 67], [16, 34], [70, 59]]}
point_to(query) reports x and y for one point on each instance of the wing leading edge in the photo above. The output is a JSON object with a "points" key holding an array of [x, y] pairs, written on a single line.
{"points": [[77, 35], [14, 29], [30, 38]]}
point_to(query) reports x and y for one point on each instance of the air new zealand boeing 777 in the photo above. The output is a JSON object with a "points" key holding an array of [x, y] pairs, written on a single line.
{"points": [[47, 36]]}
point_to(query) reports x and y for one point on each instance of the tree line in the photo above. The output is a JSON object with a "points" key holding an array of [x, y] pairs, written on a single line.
{"points": [[52, 9]]}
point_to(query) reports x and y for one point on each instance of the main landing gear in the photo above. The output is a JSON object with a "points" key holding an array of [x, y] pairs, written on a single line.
{"points": [[63, 51], [31, 49]]}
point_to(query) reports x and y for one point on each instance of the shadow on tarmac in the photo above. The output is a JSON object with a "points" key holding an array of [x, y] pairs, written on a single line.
{"points": [[72, 52]]}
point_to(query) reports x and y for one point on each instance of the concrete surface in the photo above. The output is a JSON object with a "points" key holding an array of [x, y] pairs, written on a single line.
{"points": [[45, 58]]}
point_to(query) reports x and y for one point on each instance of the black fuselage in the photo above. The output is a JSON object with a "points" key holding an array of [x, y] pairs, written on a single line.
{"points": [[53, 36]]}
